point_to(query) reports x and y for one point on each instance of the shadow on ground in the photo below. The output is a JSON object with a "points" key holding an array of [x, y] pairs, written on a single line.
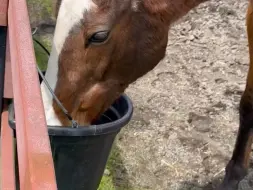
{"points": [[193, 185], [245, 184]]}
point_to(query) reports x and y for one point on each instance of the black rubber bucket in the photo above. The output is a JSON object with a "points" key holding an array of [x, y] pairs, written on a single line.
{"points": [[80, 154]]}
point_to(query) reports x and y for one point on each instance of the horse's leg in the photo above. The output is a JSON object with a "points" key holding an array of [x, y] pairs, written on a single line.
{"points": [[239, 163]]}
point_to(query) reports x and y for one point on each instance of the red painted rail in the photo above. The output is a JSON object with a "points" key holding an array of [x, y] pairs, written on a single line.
{"points": [[8, 91], [36, 169], [3, 11], [7, 158]]}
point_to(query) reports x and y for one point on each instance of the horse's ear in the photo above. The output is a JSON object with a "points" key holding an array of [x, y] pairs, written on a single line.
{"points": [[56, 7]]}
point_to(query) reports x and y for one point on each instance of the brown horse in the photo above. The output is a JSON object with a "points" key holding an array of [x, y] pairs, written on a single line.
{"points": [[102, 46]]}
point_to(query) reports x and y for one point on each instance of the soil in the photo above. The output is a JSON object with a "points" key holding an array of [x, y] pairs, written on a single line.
{"points": [[185, 117]]}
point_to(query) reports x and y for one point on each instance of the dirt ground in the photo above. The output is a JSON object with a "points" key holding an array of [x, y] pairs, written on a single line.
{"points": [[185, 120], [186, 110]]}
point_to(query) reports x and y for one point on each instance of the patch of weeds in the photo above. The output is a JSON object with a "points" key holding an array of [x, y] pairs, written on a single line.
{"points": [[40, 54], [109, 180], [106, 183], [39, 10], [116, 177]]}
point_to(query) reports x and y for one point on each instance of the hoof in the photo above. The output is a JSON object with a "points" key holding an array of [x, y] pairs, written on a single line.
{"points": [[234, 174], [227, 187]]}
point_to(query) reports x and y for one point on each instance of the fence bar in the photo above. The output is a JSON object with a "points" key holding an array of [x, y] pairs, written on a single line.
{"points": [[8, 91], [7, 155], [3, 12], [36, 169]]}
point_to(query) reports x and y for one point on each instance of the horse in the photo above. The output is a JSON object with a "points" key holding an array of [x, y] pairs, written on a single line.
{"points": [[102, 46]]}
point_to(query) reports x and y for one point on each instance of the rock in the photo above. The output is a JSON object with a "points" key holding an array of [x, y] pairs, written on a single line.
{"points": [[107, 172]]}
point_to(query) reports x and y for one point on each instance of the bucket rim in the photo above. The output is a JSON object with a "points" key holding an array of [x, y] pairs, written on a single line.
{"points": [[91, 130]]}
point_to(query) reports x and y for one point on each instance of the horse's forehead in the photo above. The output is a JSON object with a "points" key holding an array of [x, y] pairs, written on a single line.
{"points": [[71, 13], [93, 14], [77, 7]]}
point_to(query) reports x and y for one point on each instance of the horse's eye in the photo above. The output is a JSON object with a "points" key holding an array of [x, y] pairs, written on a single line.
{"points": [[99, 37]]}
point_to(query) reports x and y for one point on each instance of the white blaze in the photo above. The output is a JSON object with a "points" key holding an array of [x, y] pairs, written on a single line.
{"points": [[71, 12]]}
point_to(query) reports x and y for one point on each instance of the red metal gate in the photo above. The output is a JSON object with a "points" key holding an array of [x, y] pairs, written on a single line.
{"points": [[35, 163]]}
